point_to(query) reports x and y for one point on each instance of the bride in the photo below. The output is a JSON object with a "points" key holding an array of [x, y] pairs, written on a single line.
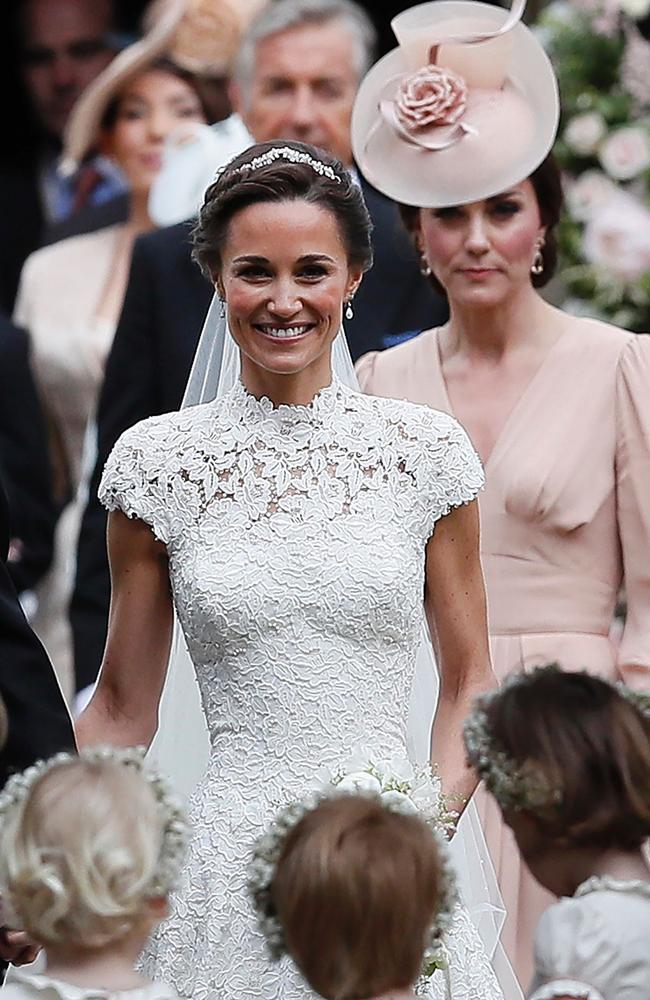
{"points": [[295, 526]]}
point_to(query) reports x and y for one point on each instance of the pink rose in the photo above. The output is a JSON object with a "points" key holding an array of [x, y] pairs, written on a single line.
{"points": [[617, 238], [432, 96]]}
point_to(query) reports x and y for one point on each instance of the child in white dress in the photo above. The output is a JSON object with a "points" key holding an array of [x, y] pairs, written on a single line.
{"points": [[567, 757], [357, 894], [90, 848]]}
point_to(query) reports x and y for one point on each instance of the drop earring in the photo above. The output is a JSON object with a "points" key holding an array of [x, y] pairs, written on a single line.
{"points": [[349, 311], [537, 267], [425, 268], [222, 307]]}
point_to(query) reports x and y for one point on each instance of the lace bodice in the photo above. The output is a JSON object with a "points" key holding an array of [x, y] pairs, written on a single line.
{"points": [[296, 539]]}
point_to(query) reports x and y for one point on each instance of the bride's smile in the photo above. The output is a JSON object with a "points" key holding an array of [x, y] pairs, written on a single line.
{"points": [[285, 277]]}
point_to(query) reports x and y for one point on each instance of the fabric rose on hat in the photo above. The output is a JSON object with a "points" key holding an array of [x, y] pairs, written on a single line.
{"points": [[432, 96]]}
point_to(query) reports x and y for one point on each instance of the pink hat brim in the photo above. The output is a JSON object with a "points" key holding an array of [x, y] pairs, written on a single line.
{"points": [[513, 128]]}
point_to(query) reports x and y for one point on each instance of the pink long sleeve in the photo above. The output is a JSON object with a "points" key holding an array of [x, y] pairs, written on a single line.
{"points": [[633, 506]]}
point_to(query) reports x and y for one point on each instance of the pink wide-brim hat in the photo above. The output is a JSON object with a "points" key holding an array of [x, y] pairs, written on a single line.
{"points": [[200, 36], [466, 107]]}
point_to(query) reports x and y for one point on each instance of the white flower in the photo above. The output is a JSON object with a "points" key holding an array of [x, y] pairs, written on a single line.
{"points": [[636, 9], [360, 781], [358, 760], [397, 768], [399, 802], [617, 238], [589, 193], [626, 153], [584, 133], [561, 10]]}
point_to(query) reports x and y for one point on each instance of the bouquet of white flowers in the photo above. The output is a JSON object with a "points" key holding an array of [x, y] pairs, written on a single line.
{"points": [[400, 787], [399, 784]]}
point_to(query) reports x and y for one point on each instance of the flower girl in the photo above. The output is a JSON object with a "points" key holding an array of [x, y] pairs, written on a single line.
{"points": [[357, 893], [90, 847], [567, 757]]}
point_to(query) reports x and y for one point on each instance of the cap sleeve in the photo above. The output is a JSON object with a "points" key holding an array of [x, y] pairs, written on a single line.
{"points": [[133, 480], [451, 472], [633, 509], [577, 950]]}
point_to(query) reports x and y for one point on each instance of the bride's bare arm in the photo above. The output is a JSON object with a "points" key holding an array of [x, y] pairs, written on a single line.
{"points": [[457, 616], [124, 707]]}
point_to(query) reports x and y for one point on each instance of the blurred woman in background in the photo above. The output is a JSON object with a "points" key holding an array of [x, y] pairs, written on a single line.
{"points": [[71, 293]]}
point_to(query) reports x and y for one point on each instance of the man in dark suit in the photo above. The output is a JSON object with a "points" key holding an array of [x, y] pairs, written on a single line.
{"points": [[39, 724], [35, 721], [60, 47], [25, 462], [295, 78]]}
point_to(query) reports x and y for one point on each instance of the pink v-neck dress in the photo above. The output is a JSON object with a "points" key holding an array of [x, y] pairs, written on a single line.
{"points": [[565, 519]]}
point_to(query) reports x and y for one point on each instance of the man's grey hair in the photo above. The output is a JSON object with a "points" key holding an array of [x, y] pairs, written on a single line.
{"points": [[285, 15]]}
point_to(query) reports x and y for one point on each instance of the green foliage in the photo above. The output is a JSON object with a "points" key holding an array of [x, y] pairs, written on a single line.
{"points": [[588, 61]]}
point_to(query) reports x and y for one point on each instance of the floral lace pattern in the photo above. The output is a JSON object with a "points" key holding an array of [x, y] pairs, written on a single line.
{"points": [[296, 539]]}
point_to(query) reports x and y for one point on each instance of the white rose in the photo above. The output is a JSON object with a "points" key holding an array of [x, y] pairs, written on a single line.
{"points": [[399, 768], [584, 132], [561, 10], [636, 9], [617, 238], [360, 782], [399, 802], [359, 760], [589, 193], [626, 153]]}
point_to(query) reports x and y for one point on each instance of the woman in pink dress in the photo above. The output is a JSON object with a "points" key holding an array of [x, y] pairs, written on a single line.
{"points": [[558, 407]]}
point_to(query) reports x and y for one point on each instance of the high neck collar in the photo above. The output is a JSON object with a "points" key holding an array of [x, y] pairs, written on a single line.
{"points": [[323, 403], [607, 883]]}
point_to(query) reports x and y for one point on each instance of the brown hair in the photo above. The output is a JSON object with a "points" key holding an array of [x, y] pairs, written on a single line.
{"points": [[585, 739], [357, 889], [164, 65], [547, 184], [282, 180]]}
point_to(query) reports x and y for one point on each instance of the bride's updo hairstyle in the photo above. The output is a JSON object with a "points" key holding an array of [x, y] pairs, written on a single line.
{"points": [[277, 172], [356, 889], [570, 749]]}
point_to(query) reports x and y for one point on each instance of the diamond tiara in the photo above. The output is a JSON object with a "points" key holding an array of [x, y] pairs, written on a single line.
{"points": [[285, 153]]}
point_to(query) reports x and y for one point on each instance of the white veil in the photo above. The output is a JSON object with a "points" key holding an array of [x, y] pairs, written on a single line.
{"points": [[180, 748]]}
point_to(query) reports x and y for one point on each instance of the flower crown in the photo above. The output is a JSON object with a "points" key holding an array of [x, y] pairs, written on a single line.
{"points": [[283, 153], [520, 786], [269, 847], [175, 833]]}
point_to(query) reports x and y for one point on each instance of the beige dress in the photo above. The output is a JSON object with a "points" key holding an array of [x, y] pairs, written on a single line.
{"points": [[60, 290], [565, 517]]}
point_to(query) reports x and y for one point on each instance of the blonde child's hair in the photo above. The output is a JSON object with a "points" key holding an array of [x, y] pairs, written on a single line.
{"points": [[80, 851]]}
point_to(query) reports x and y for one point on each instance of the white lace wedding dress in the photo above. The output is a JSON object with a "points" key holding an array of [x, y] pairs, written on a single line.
{"points": [[296, 539]]}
